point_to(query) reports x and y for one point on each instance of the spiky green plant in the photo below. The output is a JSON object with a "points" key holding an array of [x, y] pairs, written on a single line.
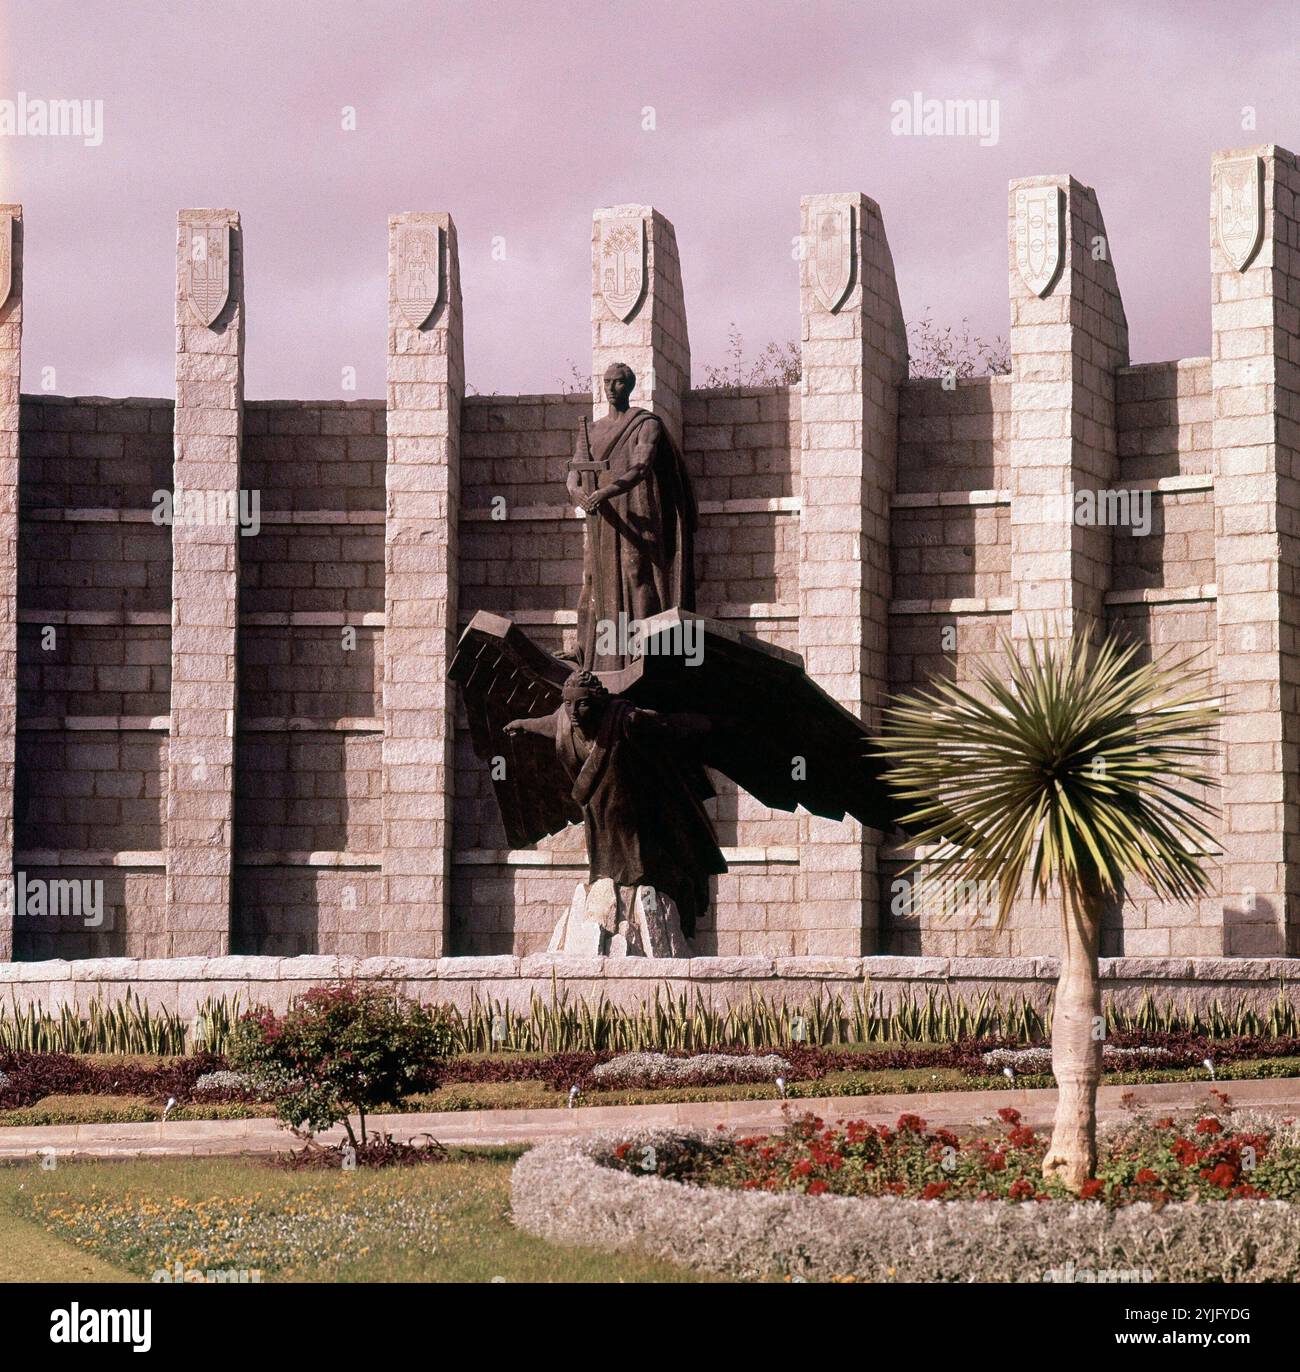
{"points": [[671, 1020], [127, 1026], [1060, 773]]}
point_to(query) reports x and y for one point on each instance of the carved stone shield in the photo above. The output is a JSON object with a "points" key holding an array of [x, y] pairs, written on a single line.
{"points": [[419, 271], [832, 258], [207, 270], [1239, 208], [1040, 236], [622, 265], [6, 256]]}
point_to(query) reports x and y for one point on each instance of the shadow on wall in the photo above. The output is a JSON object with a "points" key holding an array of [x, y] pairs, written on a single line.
{"points": [[118, 919], [1251, 929]]}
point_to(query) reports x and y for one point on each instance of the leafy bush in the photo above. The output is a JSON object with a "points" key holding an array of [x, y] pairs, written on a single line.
{"points": [[341, 1049]]}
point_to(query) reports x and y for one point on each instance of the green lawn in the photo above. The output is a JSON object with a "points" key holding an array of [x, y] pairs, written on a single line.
{"points": [[89, 1221]]}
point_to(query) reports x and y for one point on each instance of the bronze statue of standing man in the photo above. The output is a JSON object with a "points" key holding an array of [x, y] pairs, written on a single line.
{"points": [[638, 557]]}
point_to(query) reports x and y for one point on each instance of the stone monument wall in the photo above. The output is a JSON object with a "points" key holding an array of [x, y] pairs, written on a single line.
{"points": [[243, 740]]}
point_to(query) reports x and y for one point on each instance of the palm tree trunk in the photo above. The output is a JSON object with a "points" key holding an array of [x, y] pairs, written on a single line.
{"points": [[1076, 1043]]}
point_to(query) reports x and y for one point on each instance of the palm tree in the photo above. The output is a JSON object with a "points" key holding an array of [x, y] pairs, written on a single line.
{"points": [[1075, 768]]}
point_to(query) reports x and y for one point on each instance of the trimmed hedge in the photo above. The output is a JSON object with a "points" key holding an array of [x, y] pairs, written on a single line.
{"points": [[562, 1193]]}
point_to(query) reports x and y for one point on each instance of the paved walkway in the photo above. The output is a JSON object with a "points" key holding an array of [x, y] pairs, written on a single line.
{"points": [[197, 1138]]}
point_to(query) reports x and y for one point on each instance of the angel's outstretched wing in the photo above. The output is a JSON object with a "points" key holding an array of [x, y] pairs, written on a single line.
{"points": [[504, 675], [774, 732]]}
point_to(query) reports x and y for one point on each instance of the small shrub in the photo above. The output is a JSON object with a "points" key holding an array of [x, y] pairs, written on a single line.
{"points": [[339, 1050]]}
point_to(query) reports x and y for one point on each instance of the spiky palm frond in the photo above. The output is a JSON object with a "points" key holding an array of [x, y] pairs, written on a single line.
{"points": [[1074, 766]]}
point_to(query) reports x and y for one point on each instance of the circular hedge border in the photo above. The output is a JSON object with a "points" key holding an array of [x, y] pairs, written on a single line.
{"points": [[562, 1192]]}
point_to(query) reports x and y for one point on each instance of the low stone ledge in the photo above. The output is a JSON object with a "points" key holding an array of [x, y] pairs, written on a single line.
{"points": [[152, 969], [819, 969], [315, 967], [729, 969], [1150, 969], [916, 969], [560, 1193], [249, 968], [565, 967], [650, 969], [464, 969], [402, 969], [182, 984], [53, 970], [107, 969], [1002, 969], [1236, 969]]}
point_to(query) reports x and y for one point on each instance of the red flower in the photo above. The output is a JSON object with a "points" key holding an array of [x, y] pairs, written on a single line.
{"points": [[1224, 1175], [996, 1162], [1020, 1190], [1165, 1122], [1009, 1116], [1090, 1188], [1145, 1177], [1021, 1137], [1209, 1125], [622, 1151], [817, 1187], [934, 1189], [1185, 1151], [910, 1124]]}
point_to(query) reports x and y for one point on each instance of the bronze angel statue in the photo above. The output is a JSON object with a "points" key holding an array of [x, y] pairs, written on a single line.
{"points": [[627, 754]]}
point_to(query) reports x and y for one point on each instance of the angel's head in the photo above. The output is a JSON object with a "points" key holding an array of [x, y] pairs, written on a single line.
{"points": [[584, 699]]}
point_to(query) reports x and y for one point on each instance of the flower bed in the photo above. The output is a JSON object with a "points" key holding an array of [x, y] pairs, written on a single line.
{"points": [[206, 1079], [980, 1060], [1206, 1159], [699, 1069], [29, 1077], [581, 1192]]}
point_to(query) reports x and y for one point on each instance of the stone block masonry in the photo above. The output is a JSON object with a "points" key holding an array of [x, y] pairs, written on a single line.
{"points": [[1255, 372], [249, 741], [854, 354], [426, 386], [205, 583], [11, 341], [1068, 339], [638, 310]]}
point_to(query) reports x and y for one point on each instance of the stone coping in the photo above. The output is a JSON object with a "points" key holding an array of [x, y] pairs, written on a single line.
{"points": [[682, 970]]}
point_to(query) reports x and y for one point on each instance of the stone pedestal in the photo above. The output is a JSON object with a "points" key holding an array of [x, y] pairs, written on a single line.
{"points": [[620, 922]]}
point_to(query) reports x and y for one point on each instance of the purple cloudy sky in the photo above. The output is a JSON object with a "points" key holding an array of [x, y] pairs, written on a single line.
{"points": [[521, 118]]}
